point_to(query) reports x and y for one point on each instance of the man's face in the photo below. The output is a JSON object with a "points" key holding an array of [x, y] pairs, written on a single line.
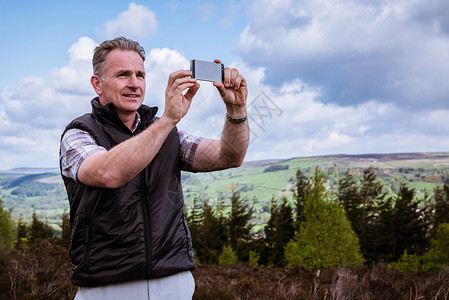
{"points": [[123, 81]]}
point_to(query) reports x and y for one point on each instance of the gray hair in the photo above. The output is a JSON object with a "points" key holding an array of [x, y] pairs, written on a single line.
{"points": [[105, 47]]}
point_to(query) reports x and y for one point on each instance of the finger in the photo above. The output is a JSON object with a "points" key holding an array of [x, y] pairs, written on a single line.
{"points": [[217, 61], [180, 81], [176, 89], [191, 92], [180, 88], [221, 88], [178, 74], [234, 74], [227, 76], [238, 81]]}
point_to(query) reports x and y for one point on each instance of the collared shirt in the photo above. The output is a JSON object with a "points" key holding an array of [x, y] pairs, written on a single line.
{"points": [[77, 145]]}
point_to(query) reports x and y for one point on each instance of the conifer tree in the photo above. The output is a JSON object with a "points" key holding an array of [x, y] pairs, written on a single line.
{"points": [[22, 234], [6, 228], [326, 238], [441, 212], [403, 226], [213, 236], [65, 230], [239, 226], [299, 194], [367, 224], [270, 233], [194, 220], [385, 243], [410, 227], [284, 232], [349, 196], [39, 230], [438, 255]]}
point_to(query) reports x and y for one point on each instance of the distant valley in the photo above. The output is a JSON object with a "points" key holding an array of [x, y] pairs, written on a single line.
{"points": [[26, 190]]}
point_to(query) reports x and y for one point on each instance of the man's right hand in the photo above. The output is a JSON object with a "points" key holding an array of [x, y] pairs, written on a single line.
{"points": [[176, 103]]}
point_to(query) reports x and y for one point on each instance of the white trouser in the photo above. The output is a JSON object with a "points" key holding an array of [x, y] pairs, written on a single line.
{"points": [[175, 287]]}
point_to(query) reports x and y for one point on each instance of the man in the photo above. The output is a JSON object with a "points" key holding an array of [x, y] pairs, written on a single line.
{"points": [[121, 168]]}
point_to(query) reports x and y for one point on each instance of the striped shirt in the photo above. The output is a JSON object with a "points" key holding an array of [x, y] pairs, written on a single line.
{"points": [[77, 145]]}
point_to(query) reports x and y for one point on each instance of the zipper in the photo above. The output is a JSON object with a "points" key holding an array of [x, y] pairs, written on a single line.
{"points": [[146, 224], [189, 244], [86, 244]]}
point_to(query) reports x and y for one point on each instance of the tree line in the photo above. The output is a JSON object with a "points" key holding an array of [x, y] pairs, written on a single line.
{"points": [[318, 228], [20, 235]]}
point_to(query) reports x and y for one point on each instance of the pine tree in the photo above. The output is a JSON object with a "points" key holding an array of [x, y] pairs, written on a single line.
{"points": [[239, 226], [441, 213], [403, 225], [270, 233], [284, 232], [326, 238], [6, 228], [39, 230], [438, 255], [349, 196], [410, 226], [213, 236], [385, 243], [65, 230], [22, 234], [299, 194], [194, 220], [367, 225]]}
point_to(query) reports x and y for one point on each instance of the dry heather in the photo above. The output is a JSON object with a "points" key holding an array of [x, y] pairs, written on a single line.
{"points": [[43, 272], [243, 281]]}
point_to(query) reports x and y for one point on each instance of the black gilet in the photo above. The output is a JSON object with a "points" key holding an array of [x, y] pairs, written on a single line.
{"points": [[136, 231]]}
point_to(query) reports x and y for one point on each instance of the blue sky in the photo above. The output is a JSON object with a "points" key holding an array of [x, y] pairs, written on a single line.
{"points": [[324, 77]]}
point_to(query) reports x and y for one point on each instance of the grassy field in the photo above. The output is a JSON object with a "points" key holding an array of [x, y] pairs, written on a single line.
{"points": [[43, 191]]}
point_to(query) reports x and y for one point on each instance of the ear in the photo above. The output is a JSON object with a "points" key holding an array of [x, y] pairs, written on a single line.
{"points": [[96, 84]]}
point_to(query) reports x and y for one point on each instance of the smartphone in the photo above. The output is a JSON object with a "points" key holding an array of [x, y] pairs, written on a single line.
{"points": [[206, 70]]}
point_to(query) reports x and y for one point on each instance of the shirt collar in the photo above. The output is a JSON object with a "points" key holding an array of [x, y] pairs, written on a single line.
{"points": [[137, 122]]}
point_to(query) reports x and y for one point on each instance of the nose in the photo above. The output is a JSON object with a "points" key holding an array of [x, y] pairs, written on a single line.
{"points": [[133, 81]]}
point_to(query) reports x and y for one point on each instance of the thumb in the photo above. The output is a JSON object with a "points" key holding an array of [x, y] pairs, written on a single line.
{"points": [[221, 88], [191, 92]]}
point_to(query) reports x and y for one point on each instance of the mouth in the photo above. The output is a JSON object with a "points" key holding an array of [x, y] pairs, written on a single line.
{"points": [[131, 96]]}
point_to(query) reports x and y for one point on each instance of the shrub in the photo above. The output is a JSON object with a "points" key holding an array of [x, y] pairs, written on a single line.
{"points": [[438, 255], [407, 262], [227, 257], [254, 258]]}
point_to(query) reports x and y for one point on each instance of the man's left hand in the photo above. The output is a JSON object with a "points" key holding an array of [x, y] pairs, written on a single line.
{"points": [[234, 91]]}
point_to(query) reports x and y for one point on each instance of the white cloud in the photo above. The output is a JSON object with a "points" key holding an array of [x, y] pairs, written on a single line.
{"points": [[137, 22], [324, 77], [75, 76], [159, 63], [50, 101], [36, 110], [355, 50]]}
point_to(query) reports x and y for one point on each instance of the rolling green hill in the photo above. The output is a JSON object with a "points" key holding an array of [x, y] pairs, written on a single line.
{"points": [[26, 190]]}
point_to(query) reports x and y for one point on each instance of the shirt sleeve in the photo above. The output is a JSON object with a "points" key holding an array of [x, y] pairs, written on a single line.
{"points": [[76, 146], [189, 144]]}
